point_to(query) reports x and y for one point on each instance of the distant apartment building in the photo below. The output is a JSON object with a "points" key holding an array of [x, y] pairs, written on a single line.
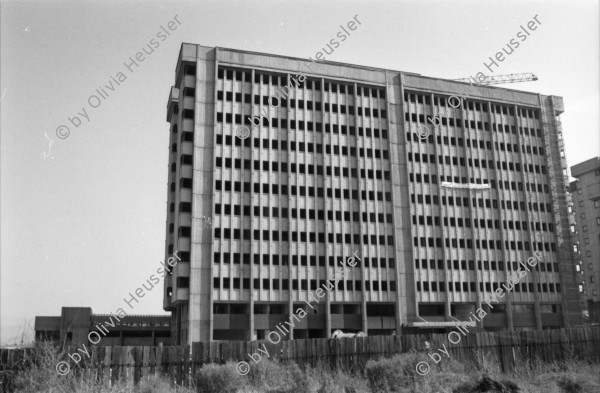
{"points": [[586, 212], [74, 325], [271, 187]]}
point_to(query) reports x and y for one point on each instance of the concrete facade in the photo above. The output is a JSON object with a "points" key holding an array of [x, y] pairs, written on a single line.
{"points": [[337, 167], [586, 213]]}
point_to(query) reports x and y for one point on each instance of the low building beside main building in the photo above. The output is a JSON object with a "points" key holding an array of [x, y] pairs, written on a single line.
{"points": [[75, 323]]}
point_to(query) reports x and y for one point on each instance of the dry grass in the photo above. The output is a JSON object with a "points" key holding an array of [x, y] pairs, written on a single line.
{"points": [[37, 374], [390, 375]]}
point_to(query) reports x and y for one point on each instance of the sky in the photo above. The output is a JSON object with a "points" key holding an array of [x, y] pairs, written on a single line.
{"points": [[83, 218]]}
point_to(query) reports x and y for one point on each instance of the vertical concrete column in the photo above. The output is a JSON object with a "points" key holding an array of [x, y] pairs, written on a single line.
{"points": [[358, 163], [200, 301], [533, 275], [406, 301], [325, 183], [291, 251], [250, 335], [440, 170], [473, 212]]}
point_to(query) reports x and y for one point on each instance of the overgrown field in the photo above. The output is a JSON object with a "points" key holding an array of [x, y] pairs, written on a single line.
{"points": [[396, 374]]}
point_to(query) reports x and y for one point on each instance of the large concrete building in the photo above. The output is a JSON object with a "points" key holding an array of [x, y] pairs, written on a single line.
{"points": [[586, 211], [271, 187]]}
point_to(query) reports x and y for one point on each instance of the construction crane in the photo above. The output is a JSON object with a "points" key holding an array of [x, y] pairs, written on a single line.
{"points": [[500, 79]]}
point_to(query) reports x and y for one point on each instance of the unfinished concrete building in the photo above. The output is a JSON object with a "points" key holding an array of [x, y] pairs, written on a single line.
{"points": [[271, 186]]}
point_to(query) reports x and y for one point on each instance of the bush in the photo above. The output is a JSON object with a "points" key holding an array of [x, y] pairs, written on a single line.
{"points": [[337, 381], [275, 377], [38, 374], [266, 374], [568, 384], [297, 380], [487, 384], [581, 381], [212, 378], [395, 374], [155, 384], [399, 374]]}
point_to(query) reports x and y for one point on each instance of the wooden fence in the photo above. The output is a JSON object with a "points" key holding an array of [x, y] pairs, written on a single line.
{"points": [[130, 364]]}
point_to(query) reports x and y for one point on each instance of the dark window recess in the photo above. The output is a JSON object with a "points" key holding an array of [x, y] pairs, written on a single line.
{"points": [[183, 282]]}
